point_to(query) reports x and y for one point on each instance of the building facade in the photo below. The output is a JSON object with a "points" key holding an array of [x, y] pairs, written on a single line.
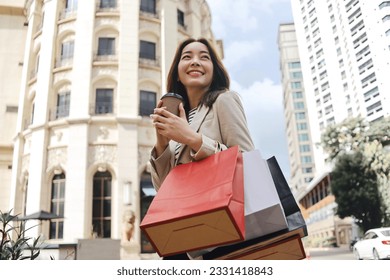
{"points": [[92, 73], [345, 55], [302, 168], [344, 49], [13, 31]]}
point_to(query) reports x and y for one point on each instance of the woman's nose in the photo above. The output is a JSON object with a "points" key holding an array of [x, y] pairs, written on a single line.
{"points": [[195, 61]]}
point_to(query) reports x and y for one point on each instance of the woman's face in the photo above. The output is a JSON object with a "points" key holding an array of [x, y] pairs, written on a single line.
{"points": [[195, 67]]}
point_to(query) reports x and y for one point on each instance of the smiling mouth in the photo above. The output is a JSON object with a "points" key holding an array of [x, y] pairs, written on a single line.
{"points": [[195, 73]]}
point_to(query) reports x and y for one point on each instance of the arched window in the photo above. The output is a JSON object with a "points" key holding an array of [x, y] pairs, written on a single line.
{"points": [[147, 195], [57, 206], [101, 205]]}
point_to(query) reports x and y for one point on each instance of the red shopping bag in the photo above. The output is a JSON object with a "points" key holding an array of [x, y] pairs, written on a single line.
{"points": [[199, 205]]}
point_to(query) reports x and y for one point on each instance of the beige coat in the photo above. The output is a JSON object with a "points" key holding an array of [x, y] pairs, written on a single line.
{"points": [[222, 126]]}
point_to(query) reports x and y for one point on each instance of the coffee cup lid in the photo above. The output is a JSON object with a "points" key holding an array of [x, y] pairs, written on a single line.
{"points": [[172, 94]]}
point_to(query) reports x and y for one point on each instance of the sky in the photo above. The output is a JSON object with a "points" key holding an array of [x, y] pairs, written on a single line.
{"points": [[249, 31]]}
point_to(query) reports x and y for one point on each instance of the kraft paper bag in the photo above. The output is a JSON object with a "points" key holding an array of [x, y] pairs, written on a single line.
{"points": [[199, 205]]}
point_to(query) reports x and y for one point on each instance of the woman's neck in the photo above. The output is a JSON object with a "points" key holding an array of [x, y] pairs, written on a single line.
{"points": [[195, 96]]}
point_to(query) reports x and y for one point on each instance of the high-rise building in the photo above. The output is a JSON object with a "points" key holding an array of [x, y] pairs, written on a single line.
{"points": [[300, 146], [91, 75], [344, 50], [345, 56]]}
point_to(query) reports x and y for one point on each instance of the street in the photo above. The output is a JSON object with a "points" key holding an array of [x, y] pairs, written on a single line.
{"points": [[339, 253]]}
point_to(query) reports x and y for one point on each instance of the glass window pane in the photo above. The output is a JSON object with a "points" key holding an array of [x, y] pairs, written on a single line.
{"points": [[148, 50], [53, 228], [107, 208], [60, 230], [107, 228], [97, 206], [96, 188]]}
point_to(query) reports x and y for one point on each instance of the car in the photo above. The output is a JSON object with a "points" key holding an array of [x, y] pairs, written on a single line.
{"points": [[374, 245]]}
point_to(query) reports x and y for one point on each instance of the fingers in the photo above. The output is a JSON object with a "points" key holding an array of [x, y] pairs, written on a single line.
{"points": [[182, 112]]}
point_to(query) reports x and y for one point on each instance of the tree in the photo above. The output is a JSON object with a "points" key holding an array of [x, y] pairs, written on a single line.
{"points": [[372, 141], [356, 192]]}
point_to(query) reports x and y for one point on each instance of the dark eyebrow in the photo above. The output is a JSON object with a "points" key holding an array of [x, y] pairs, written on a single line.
{"points": [[189, 52]]}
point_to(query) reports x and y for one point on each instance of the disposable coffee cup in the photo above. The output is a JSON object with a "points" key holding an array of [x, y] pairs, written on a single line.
{"points": [[171, 101]]}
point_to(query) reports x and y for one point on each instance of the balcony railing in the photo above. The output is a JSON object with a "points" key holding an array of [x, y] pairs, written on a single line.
{"points": [[68, 13], [64, 61], [149, 61], [101, 108], [107, 6], [105, 57], [59, 112]]}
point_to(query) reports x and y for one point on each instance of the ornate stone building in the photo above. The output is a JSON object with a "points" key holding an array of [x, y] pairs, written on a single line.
{"points": [[92, 73]]}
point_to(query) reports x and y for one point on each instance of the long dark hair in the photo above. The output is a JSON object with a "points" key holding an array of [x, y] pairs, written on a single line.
{"points": [[220, 82]]}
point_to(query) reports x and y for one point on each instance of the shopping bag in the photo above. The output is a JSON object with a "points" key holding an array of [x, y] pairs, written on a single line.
{"points": [[264, 213], [199, 205], [284, 244]]}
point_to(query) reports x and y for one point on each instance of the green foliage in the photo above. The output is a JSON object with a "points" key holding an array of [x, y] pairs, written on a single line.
{"points": [[370, 143], [356, 192], [15, 248]]}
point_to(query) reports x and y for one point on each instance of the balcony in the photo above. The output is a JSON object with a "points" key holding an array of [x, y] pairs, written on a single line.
{"points": [[67, 14], [110, 6], [59, 112], [149, 62], [64, 62], [101, 108]]}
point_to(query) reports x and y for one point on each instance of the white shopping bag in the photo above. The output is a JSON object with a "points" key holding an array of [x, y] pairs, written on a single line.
{"points": [[264, 213]]}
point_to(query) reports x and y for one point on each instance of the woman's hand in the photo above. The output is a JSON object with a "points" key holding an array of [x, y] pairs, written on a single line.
{"points": [[172, 127]]}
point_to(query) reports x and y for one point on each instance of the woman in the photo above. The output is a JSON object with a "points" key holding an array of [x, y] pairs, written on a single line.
{"points": [[211, 120]]}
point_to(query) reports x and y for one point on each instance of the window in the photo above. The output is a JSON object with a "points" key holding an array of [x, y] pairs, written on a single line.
{"points": [[104, 101], [67, 50], [372, 93], [306, 159], [147, 50], [101, 205], [106, 46], [147, 102], [304, 148], [300, 116], [296, 85], [63, 104], [57, 206], [148, 6], [327, 97], [299, 105], [297, 95], [294, 65], [384, 4], [303, 137], [302, 126], [328, 109], [296, 75], [376, 107], [71, 5], [147, 195], [107, 4], [307, 170], [369, 79], [180, 18], [11, 109]]}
